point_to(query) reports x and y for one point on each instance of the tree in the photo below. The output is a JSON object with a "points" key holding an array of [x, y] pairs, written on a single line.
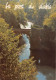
{"points": [[27, 70], [37, 3], [8, 51], [13, 17], [2, 7], [53, 7], [51, 21], [50, 1], [20, 16], [4, 1], [25, 2], [10, 18], [10, 67]]}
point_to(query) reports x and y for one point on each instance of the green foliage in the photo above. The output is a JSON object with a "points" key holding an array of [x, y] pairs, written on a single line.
{"points": [[10, 18], [8, 51], [4, 1], [50, 1], [25, 2], [20, 16], [2, 7], [51, 21], [35, 15], [36, 3], [53, 8], [13, 17], [27, 70], [10, 67]]}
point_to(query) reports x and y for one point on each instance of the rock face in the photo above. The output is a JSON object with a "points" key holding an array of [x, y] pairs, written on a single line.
{"points": [[21, 42], [35, 38], [42, 42]]}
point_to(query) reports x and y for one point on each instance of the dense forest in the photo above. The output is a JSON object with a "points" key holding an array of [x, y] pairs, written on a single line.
{"points": [[11, 18]]}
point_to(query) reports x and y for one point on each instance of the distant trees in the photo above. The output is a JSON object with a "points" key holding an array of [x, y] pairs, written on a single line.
{"points": [[53, 7], [13, 17], [20, 16], [36, 15], [49, 24], [2, 7], [4, 1], [25, 2], [10, 67], [50, 1], [51, 21], [10, 18]]}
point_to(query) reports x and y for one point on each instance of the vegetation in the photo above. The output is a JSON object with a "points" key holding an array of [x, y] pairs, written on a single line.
{"points": [[35, 15], [53, 7], [10, 67], [20, 16], [4, 1], [13, 17], [51, 21]]}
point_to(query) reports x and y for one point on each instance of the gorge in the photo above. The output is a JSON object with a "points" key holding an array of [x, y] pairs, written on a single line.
{"points": [[45, 72]]}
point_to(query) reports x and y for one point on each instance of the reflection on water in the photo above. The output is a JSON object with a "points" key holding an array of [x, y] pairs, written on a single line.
{"points": [[39, 61], [40, 76], [44, 73]]}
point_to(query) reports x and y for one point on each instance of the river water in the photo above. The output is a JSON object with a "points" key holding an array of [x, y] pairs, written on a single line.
{"points": [[25, 54], [44, 72]]}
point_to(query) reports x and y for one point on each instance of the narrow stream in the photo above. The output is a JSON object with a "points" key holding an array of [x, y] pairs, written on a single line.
{"points": [[44, 72]]}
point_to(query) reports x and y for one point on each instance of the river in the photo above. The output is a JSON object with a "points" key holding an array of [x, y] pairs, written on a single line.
{"points": [[44, 72]]}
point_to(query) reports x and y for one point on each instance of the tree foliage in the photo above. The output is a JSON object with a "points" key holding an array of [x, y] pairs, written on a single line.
{"points": [[10, 67], [10, 18], [4, 1], [8, 51], [13, 17], [53, 7], [20, 16], [51, 21], [27, 70]]}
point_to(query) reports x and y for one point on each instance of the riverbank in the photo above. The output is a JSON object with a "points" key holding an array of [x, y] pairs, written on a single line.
{"points": [[42, 47], [46, 73]]}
